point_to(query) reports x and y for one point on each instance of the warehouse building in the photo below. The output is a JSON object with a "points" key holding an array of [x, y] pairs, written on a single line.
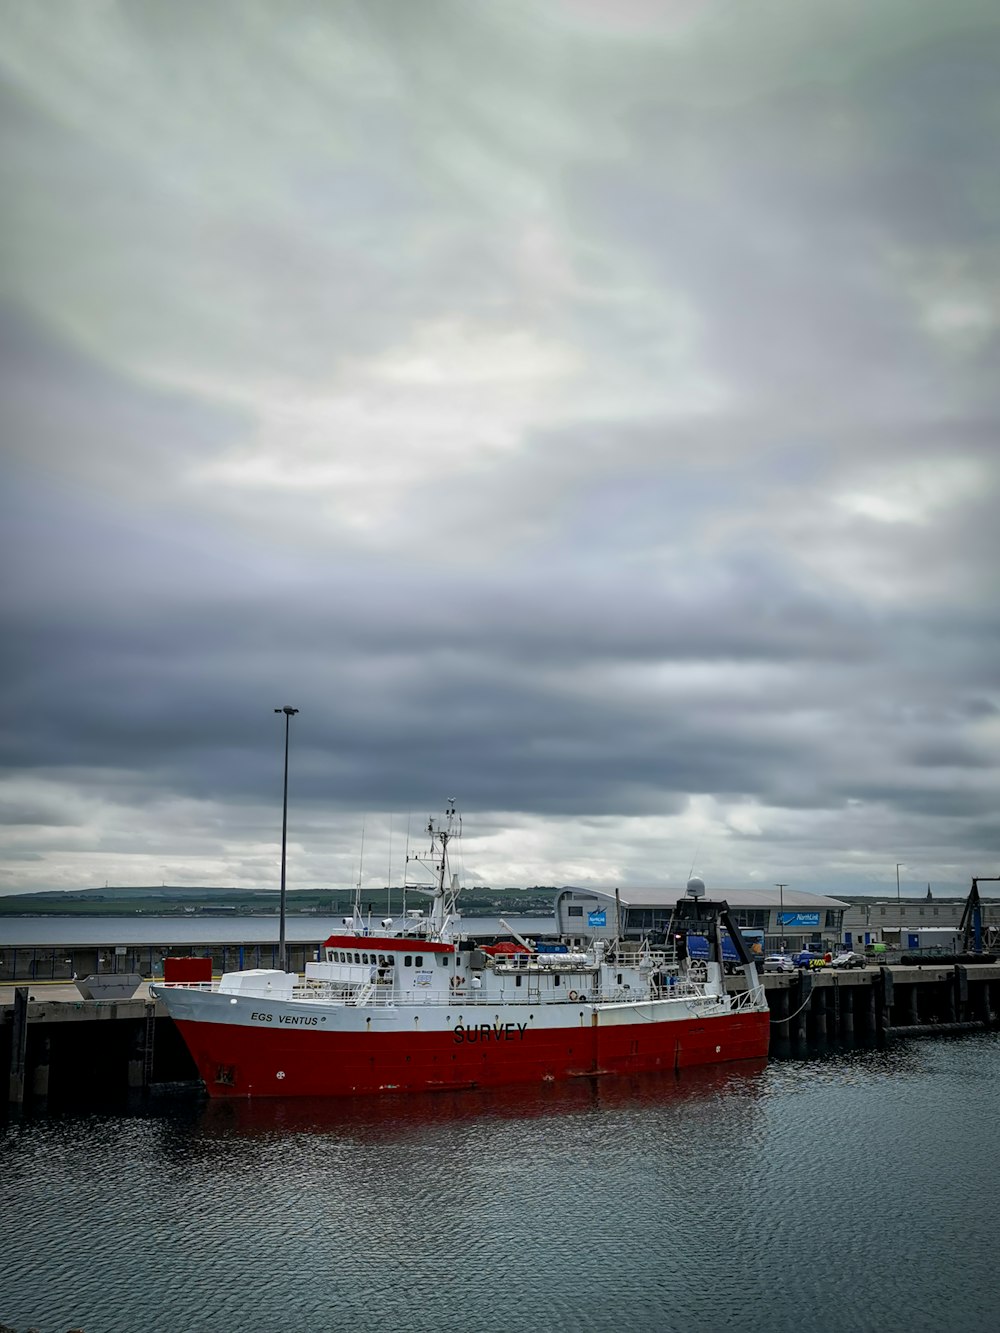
{"points": [[912, 924]]}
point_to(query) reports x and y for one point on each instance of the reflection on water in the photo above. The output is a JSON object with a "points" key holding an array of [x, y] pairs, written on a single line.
{"points": [[856, 1187], [387, 1118]]}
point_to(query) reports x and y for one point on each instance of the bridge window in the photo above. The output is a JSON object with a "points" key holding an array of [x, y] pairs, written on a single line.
{"points": [[408, 960]]}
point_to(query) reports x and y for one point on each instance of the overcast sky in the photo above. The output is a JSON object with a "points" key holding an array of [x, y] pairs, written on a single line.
{"points": [[584, 409]]}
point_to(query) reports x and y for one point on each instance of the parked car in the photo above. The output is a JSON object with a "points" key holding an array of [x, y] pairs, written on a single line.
{"points": [[808, 958], [849, 959], [778, 962]]}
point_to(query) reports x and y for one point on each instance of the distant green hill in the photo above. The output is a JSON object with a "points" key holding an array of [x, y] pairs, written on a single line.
{"points": [[166, 900]]}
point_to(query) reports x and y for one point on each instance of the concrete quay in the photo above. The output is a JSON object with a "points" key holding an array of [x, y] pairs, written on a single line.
{"points": [[877, 1003], [55, 1043]]}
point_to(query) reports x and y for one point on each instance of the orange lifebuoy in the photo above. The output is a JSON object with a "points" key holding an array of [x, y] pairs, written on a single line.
{"points": [[573, 995], [457, 983]]}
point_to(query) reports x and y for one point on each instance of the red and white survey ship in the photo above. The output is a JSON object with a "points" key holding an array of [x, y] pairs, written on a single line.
{"points": [[414, 1007]]}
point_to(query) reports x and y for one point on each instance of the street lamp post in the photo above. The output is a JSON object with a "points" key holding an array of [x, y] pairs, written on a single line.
{"points": [[899, 904], [289, 714], [781, 913]]}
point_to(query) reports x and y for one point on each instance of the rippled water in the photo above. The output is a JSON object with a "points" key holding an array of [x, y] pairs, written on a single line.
{"points": [[854, 1192]]}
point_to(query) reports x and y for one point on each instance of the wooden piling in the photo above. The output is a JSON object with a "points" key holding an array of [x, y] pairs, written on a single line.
{"points": [[984, 1003], [847, 1011], [961, 984], [950, 999], [803, 1002], [819, 1008], [885, 988], [18, 1047], [40, 1067]]}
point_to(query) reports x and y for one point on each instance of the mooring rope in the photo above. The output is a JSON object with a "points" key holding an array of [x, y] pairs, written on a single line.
{"points": [[798, 1011]]}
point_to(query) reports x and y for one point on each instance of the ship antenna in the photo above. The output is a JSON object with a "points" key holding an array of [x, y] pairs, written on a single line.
{"points": [[388, 882], [361, 862], [695, 861], [406, 860]]}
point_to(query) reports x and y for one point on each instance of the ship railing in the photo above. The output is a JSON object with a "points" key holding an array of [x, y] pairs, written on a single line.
{"points": [[476, 998], [371, 995], [630, 956], [752, 999], [685, 989], [682, 989]]}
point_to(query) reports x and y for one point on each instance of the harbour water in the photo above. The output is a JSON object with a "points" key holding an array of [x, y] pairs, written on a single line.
{"points": [[851, 1192], [26, 932]]}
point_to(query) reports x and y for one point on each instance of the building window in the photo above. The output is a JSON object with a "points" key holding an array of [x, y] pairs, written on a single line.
{"points": [[881, 911], [574, 911], [756, 919]]}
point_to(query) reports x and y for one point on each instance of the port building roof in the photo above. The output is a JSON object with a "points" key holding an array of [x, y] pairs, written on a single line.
{"points": [[735, 896]]}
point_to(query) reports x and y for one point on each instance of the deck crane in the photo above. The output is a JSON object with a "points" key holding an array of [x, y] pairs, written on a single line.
{"points": [[971, 924], [520, 938]]}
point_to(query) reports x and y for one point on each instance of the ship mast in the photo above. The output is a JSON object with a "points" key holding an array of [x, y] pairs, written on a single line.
{"points": [[443, 913]]}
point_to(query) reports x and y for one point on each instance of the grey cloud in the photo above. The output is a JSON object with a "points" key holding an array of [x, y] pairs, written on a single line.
{"points": [[720, 530]]}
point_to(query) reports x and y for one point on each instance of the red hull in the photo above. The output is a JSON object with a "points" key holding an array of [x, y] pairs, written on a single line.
{"points": [[237, 1061]]}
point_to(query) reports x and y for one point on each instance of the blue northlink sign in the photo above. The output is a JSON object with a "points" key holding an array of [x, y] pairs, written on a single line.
{"points": [[597, 918], [804, 919]]}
